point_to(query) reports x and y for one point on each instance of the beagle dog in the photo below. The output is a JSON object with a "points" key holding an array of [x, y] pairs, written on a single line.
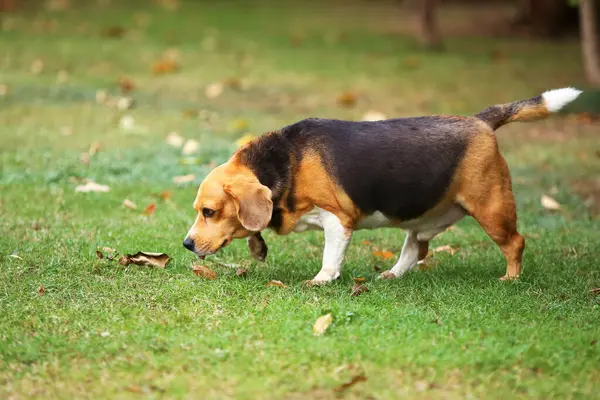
{"points": [[420, 174]]}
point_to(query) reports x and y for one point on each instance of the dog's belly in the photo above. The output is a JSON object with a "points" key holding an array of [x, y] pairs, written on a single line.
{"points": [[426, 225]]}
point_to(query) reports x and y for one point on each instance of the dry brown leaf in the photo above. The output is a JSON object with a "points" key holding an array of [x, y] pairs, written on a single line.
{"points": [[91, 186], [99, 254], [173, 139], [241, 272], [213, 90], [145, 258], [150, 210], [130, 204], [125, 84], [37, 67], [276, 283], [321, 324], [411, 62], [41, 290], [347, 99], [191, 146], [184, 178], [446, 249], [162, 67], [353, 381], [366, 242], [359, 280], [383, 254], [549, 203], [595, 291], [358, 289], [204, 272], [233, 83], [113, 32], [166, 195]]}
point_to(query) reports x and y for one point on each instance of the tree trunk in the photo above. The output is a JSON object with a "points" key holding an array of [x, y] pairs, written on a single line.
{"points": [[590, 50], [430, 33]]}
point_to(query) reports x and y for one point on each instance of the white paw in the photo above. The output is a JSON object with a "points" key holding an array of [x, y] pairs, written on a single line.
{"points": [[322, 278], [389, 274]]}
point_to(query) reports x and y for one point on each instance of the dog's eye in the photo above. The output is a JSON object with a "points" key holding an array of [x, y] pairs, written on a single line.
{"points": [[207, 212]]}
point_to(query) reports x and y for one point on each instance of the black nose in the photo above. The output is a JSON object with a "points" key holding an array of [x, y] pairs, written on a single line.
{"points": [[188, 244]]}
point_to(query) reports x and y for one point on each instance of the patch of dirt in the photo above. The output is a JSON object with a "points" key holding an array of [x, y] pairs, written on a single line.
{"points": [[589, 191]]}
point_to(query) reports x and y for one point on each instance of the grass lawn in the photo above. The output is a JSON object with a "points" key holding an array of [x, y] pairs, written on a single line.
{"points": [[75, 326]]}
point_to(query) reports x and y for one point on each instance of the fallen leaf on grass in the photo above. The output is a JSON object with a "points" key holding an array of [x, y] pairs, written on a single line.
{"points": [[347, 99], [165, 195], [62, 76], [244, 140], [124, 103], [149, 211], [321, 324], [110, 253], [233, 83], [204, 271], [37, 67], [125, 84], [112, 32], [358, 288], [41, 290], [366, 242], [214, 90], [549, 203], [173, 139], [91, 186], [184, 178], [383, 254], [353, 381], [190, 147], [276, 283], [144, 258], [595, 291], [162, 67], [130, 204], [127, 123], [446, 249], [241, 272]]}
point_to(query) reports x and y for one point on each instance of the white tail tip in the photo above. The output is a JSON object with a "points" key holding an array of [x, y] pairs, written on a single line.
{"points": [[558, 98]]}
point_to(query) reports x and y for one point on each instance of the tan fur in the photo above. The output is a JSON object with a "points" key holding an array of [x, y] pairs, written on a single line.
{"points": [[531, 113], [484, 189]]}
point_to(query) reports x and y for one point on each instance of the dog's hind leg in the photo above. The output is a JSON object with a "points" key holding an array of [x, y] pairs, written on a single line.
{"points": [[337, 238], [491, 202]]}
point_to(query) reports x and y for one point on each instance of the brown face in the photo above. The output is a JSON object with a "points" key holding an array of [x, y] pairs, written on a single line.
{"points": [[231, 203]]}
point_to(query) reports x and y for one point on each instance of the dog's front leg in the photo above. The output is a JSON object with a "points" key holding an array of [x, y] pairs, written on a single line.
{"points": [[337, 238]]}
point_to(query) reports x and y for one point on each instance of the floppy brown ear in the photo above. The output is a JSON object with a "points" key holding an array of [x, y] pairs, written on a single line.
{"points": [[253, 204]]}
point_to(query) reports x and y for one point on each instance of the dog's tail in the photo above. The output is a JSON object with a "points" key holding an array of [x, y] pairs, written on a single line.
{"points": [[528, 110]]}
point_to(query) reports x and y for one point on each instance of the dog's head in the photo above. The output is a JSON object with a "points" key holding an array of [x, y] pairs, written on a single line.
{"points": [[231, 203]]}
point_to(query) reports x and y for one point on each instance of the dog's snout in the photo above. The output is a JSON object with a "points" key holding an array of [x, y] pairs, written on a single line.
{"points": [[188, 243]]}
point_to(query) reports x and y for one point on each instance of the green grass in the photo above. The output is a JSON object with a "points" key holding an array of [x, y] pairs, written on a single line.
{"points": [[101, 330]]}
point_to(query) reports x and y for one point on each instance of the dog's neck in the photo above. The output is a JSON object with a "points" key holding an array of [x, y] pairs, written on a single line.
{"points": [[273, 160]]}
